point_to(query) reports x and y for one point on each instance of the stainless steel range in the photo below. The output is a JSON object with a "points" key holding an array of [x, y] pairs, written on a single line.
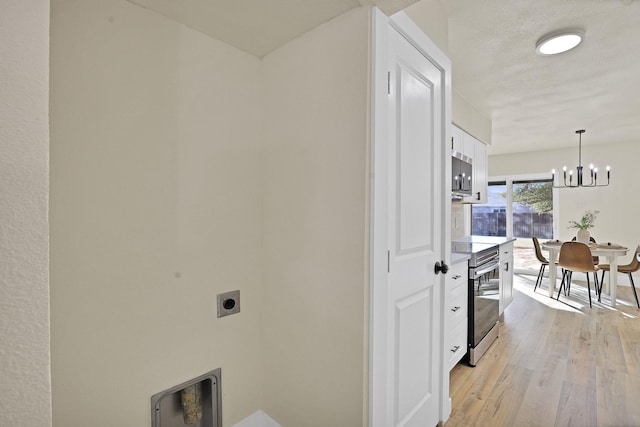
{"points": [[483, 304]]}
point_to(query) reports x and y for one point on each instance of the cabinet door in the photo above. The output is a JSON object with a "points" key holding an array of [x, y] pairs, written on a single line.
{"points": [[457, 139], [506, 275], [480, 172], [456, 346], [469, 146], [506, 284], [456, 294]]}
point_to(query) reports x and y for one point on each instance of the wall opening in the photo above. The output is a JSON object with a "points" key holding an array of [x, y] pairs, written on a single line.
{"points": [[195, 403]]}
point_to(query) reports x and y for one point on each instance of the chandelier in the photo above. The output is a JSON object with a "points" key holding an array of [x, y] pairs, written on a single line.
{"points": [[580, 178]]}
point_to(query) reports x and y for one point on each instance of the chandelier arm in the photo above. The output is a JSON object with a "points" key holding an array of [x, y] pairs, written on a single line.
{"points": [[577, 186], [579, 170]]}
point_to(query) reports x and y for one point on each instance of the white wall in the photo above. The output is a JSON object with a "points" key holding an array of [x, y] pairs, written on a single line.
{"points": [[617, 203], [25, 381], [432, 16], [468, 118], [155, 209], [315, 229]]}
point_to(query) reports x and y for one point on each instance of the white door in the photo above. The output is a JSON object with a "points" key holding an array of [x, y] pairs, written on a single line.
{"points": [[415, 236]]}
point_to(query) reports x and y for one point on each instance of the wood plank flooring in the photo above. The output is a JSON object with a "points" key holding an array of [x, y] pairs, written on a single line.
{"points": [[555, 364]]}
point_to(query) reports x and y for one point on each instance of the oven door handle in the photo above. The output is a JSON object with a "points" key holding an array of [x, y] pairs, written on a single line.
{"points": [[494, 265]]}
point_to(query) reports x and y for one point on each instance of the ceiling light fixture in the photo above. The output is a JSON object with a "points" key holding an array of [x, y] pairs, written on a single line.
{"points": [[579, 181], [559, 41]]}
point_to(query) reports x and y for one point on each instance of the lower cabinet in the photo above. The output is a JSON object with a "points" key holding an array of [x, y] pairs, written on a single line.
{"points": [[456, 313], [506, 275]]}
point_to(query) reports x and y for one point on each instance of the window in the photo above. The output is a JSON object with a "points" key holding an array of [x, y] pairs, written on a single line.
{"points": [[532, 209], [490, 219], [518, 206]]}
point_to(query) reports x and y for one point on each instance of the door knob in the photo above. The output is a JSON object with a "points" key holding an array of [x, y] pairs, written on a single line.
{"points": [[441, 267]]}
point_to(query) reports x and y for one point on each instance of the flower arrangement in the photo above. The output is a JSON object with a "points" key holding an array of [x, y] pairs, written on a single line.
{"points": [[586, 222]]}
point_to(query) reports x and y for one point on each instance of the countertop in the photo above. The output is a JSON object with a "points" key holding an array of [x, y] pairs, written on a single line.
{"points": [[495, 240], [457, 257]]}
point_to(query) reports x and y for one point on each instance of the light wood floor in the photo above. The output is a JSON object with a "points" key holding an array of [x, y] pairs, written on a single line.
{"points": [[555, 364]]}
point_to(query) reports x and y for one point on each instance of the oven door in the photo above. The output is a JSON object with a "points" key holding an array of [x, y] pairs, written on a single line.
{"points": [[484, 300]]}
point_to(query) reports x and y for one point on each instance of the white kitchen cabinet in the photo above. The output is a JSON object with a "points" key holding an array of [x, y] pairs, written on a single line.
{"points": [[476, 150], [506, 275], [456, 292], [462, 142], [457, 140], [480, 173]]}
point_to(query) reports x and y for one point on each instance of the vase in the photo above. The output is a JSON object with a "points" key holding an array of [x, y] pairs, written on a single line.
{"points": [[583, 236]]}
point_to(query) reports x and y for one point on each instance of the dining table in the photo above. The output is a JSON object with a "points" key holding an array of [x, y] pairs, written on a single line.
{"points": [[609, 250]]}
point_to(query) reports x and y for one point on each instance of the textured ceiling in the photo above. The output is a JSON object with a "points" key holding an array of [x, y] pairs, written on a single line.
{"points": [[538, 102], [534, 102]]}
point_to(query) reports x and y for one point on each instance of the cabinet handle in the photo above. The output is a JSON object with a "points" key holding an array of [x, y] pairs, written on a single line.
{"points": [[478, 193], [456, 308], [456, 277], [455, 348]]}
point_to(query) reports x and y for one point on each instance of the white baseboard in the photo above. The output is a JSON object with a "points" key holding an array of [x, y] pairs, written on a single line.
{"points": [[258, 419]]}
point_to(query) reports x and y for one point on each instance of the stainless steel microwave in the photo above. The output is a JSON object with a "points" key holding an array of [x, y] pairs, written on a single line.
{"points": [[461, 179]]}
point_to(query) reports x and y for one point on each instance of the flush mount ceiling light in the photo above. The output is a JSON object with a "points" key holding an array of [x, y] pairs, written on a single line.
{"points": [[559, 41]]}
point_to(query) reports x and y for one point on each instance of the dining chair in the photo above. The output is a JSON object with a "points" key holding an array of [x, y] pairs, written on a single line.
{"points": [[543, 262], [576, 256], [596, 261], [630, 268]]}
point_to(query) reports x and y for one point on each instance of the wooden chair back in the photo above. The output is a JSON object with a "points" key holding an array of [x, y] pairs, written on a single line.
{"points": [[536, 245], [576, 256], [596, 260], [633, 266]]}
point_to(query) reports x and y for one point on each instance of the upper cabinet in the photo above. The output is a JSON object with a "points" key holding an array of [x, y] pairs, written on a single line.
{"points": [[457, 138], [464, 143], [480, 172]]}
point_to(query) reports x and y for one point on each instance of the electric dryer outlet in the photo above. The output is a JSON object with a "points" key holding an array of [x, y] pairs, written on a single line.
{"points": [[228, 303]]}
